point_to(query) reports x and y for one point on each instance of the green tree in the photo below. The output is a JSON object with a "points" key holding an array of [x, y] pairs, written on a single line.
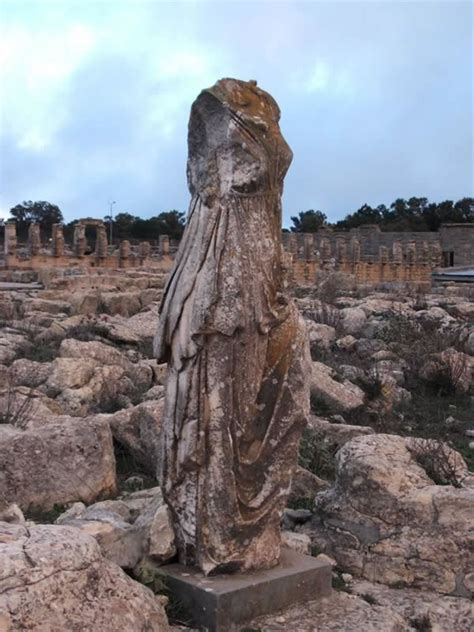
{"points": [[43, 213], [168, 223], [123, 225], [364, 215], [308, 221]]}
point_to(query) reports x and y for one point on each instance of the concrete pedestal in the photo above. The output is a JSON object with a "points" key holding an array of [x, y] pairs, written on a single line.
{"points": [[224, 602]]}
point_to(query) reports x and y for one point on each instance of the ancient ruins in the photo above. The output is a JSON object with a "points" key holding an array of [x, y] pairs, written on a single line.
{"points": [[80, 254], [116, 466]]}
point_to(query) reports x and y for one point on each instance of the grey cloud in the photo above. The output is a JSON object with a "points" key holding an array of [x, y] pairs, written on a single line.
{"points": [[389, 115]]}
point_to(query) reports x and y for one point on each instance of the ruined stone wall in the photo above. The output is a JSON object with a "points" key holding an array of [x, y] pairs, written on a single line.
{"points": [[406, 261], [458, 239]]}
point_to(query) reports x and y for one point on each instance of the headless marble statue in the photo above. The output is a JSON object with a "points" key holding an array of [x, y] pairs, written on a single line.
{"points": [[237, 394]]}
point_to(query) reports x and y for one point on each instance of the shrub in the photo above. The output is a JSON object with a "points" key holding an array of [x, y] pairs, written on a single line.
{"points": [[442, 464], [446, 375], [316, 456], [16, 410]]}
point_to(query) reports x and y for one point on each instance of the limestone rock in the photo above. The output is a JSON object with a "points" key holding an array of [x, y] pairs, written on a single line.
{"points": [[346, 343], [323, 336], [12, 514], [25, 372], [388, 521], [298, 542], [334, 436], [415, 606], [54, 578], [25, 407], [469, 344], [56, 463], [339, 397], [100, 353], [340, 612], [305, 485], [127, 530], [353, 320], [139, 430], [464, 311]]}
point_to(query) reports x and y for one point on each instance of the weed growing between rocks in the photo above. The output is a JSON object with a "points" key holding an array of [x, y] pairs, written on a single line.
{"points": [[45, 517], [315, 456], [153, 578], [37, 348], [370, 599], [16, 410], [131, 475], [421, 623], [439, 461]]}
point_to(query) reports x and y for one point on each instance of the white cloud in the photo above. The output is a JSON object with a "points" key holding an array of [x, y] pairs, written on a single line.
{"points": [[35, 66]]}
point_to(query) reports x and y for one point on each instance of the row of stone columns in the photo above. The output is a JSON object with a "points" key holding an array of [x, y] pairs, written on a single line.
{"points": [[350, 250], [79, 242]]}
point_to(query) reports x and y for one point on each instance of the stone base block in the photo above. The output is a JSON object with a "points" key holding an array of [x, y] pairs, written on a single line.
{"points": [[223, 602]]}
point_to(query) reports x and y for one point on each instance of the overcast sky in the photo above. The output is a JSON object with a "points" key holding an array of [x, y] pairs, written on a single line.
{"points": [[376, 98]]}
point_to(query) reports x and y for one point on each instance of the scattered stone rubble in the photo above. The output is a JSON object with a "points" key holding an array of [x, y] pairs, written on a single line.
{"points": [[81, 404]]}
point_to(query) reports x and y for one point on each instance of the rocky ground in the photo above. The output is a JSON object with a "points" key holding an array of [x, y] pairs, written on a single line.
{"points": [[384, 484]]}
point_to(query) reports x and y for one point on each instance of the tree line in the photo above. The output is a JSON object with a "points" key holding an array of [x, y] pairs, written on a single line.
{"points": [[414, 214], [124, 225]]}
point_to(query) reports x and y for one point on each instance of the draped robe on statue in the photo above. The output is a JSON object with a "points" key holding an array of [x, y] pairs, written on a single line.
{"points": [[238, 360]]}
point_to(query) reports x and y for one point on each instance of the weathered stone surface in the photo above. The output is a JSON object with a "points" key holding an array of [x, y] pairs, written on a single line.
{"points": [[340, 612], [353, 320], [298, 542], [339, 397], [11, 513], [127, 530], [56, 463], [139, 429], [469, 344], [237, 393], [388, 521], [305, 485], [334, 436], [25, 372], [25, 407], [54, 578], [323, 336], [418, 606], [346, 343]]}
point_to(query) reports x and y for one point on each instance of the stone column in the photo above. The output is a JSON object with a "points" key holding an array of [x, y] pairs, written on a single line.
{"points": [[101, 244], [124, 249], [325, 249], [397, 252], [164, 245], [308, 247], [436, 254], [341, 250], [58, 240], [293, 245], [144, 250], [34, 239], [425, 252], [10, 243], [411, 252], [80, 239], [383, 254], [355, 247]]}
